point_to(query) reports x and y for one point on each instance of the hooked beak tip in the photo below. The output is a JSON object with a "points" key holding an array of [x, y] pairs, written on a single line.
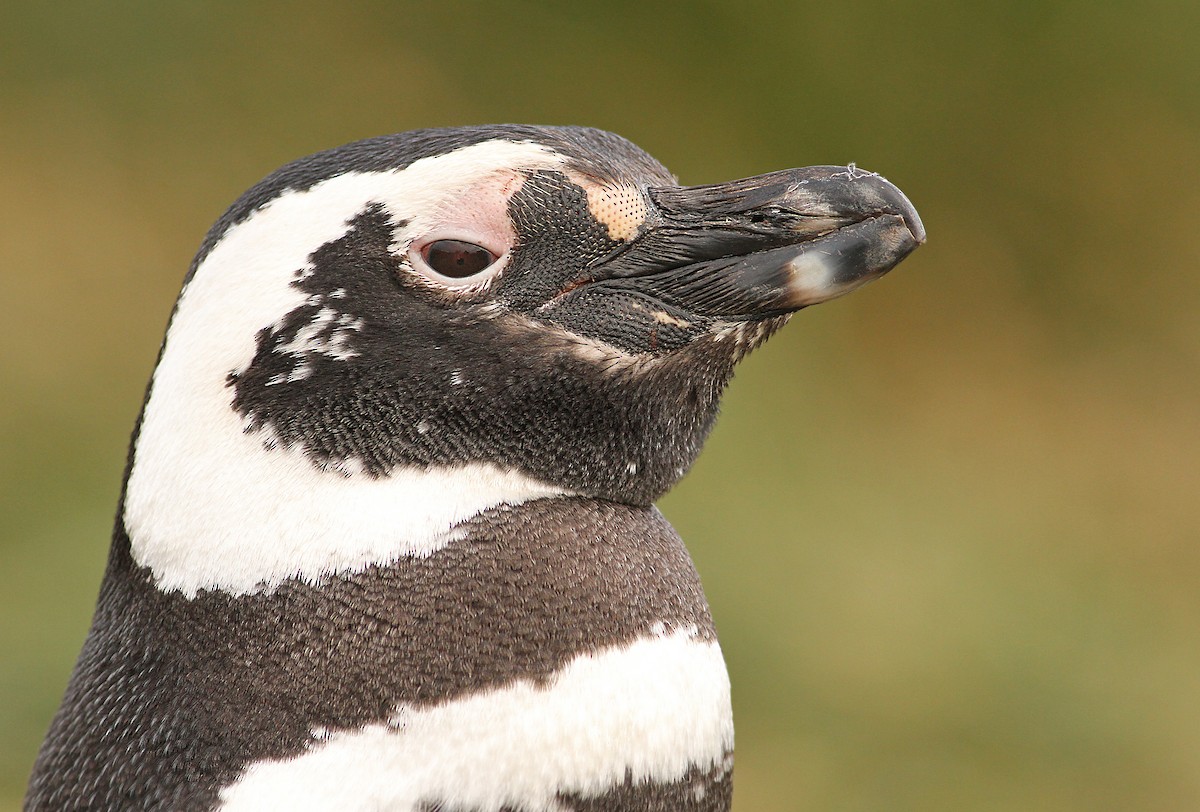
{"points": [[912, 220]]}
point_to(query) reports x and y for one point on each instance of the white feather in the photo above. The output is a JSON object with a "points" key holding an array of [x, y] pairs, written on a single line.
{"points": [[654, 708]]}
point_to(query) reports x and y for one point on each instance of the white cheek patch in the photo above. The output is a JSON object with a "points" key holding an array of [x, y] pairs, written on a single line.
{"points": [[328, 334], [207, 506], [653, 708]]}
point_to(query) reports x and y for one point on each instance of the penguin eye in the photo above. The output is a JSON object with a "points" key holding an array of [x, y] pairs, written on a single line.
{"points": [[456, 259]]}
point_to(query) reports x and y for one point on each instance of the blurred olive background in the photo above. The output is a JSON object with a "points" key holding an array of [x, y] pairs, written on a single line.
{"points": [[949, 525]]}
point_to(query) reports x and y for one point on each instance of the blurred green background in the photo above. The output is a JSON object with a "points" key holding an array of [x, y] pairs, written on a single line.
{"points": [[949, 526]]}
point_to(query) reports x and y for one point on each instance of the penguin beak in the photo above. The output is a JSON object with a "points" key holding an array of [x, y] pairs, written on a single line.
{"points": [[768, 245]]}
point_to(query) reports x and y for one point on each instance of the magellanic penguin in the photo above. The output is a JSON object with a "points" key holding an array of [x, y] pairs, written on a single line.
{"points": [[387, 539]]}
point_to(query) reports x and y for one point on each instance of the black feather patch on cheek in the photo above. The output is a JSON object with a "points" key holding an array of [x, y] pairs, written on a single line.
{"points": [[557, 238], [347, 282]]}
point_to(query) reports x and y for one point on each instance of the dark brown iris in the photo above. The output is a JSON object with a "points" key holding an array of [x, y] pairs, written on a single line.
{"points": [[457, 259]]}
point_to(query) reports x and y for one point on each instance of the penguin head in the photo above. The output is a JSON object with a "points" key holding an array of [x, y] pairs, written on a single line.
{"points": [[546, 301]]}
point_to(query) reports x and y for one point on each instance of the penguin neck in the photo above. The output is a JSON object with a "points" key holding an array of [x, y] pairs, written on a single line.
{"points": [[213, 502], [208, 506]]}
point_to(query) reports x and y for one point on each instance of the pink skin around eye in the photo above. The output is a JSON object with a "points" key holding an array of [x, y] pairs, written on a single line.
{"points": [[478, 216]]}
